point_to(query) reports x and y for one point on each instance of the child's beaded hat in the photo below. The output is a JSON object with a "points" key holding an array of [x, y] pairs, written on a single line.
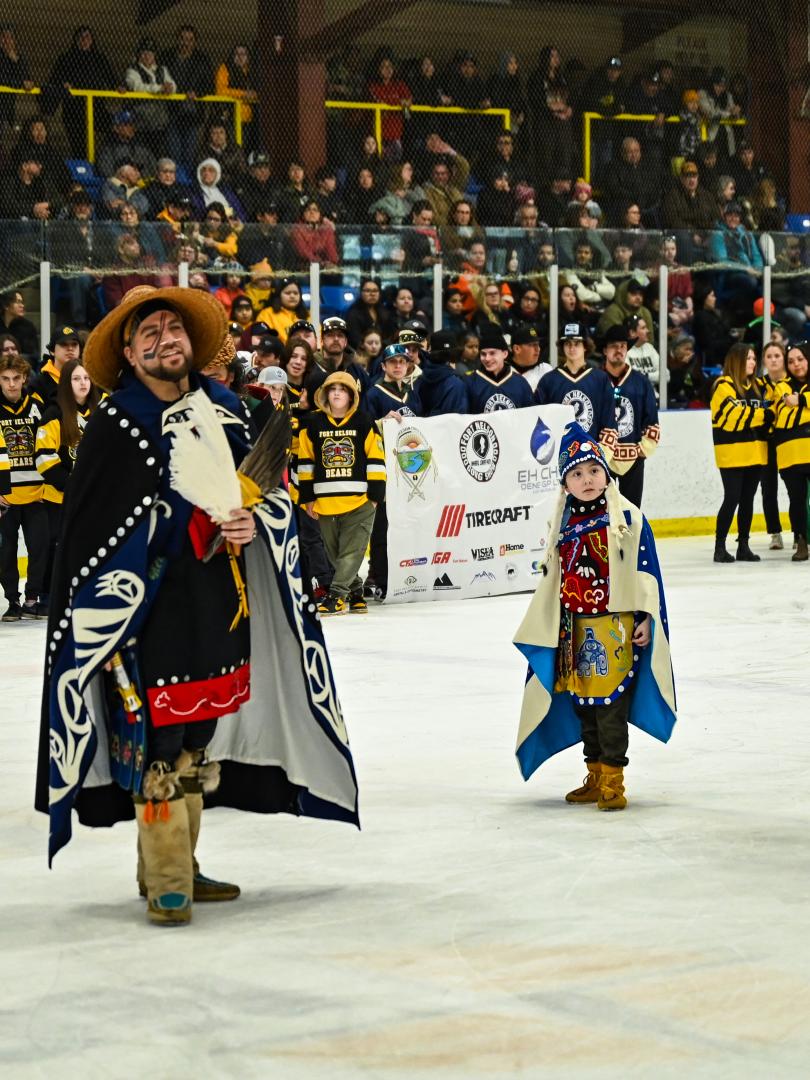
{"points": [[577, 447]]}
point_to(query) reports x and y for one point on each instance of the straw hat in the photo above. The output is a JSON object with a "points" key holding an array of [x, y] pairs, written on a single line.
{"points": [[203, 317]]}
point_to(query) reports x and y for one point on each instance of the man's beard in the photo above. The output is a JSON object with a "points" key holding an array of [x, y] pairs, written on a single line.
{"points": [[174, 375]]}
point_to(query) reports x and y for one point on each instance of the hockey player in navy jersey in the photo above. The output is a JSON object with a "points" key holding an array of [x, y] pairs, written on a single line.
{"points": [[587, 389], [496, 385], [391, 396], [636, 415]]}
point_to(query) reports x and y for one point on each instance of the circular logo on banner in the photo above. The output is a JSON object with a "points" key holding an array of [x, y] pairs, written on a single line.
{"points": [[625, 416], [499, 402], [583, 408], [479, 450]]}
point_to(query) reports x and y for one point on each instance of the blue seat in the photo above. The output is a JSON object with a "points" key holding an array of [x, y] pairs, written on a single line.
{"points": [[335, 299], [183, 176], [797, 223]]}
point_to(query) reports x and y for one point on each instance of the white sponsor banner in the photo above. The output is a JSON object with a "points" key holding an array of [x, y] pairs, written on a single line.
{"points": [[469, 500]]}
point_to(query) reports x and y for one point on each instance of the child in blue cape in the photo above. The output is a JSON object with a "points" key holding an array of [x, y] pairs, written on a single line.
{"points": [[596, 632]]}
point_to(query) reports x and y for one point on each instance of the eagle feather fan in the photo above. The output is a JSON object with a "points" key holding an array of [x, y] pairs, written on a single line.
{"points": [[201, 467]]}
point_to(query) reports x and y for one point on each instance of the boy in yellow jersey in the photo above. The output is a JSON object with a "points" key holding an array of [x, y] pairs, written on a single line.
{"points": [[23, 509], [341, 478]]}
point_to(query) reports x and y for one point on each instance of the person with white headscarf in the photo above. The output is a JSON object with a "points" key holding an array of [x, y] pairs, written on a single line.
{"points": [[209, 189]]}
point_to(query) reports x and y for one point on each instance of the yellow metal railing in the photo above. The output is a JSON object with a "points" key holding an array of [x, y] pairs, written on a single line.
{"points": [[379, 107], [589, 117], [129, 95]]}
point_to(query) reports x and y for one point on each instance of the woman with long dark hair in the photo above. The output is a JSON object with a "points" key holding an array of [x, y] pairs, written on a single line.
{"points": [[368, 310], [58, 439], [286, 307], [792, 436], [740, 426]]}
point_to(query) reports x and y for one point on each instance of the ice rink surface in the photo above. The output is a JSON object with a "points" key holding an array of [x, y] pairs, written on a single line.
{"points": [[477, 926]]}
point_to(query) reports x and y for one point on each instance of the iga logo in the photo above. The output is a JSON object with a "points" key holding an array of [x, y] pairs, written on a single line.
{"points": [[451, 520], [413, 562], [444, 584], [440, 558], [479, 450], [507, 549], [482, 554]]}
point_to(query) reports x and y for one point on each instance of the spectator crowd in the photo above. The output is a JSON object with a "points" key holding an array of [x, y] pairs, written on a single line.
{"points": [[497, 208]]}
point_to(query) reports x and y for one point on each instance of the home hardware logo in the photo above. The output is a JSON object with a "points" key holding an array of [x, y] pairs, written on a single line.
{"points": [[451, 520], [507, 549], [444, 584], [479, 450]]}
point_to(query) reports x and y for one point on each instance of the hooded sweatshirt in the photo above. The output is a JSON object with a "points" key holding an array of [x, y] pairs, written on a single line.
{"points": [[341, 463]]}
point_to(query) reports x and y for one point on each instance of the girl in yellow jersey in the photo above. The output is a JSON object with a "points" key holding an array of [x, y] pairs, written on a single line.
{"points": [[792, 432], [773, 372], [740, 425], [285, 308]]}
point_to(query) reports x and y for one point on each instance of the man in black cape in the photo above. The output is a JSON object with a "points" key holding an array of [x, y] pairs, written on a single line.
{"points": [[152, 706]]}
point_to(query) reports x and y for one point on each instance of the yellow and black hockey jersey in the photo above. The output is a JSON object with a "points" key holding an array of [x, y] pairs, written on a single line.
{"points": [[341, 463], [792, 425], [54, 459], [19, 422], [739, 425]]}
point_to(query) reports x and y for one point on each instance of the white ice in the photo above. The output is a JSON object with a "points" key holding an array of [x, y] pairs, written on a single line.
{"points": [[477, 926]]}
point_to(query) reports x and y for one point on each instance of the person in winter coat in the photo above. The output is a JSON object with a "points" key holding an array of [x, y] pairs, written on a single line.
{"points": [[629, 301], [147, 76], [83, 67], [441, 390], [210, 189]]}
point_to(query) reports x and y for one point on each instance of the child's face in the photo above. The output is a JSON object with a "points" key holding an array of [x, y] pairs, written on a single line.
{"points": [[642, 333], [276, 393], [338, 398], [586, 481]]}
